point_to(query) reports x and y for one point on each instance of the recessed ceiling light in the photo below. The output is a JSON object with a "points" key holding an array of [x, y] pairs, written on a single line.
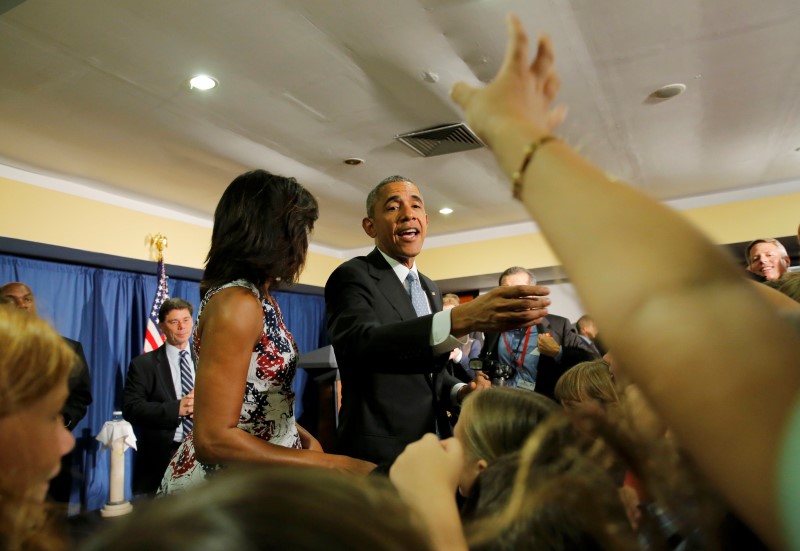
{"points": [[430, 76], [446, 210], [202, 82], [669, 91], [353, 161]]}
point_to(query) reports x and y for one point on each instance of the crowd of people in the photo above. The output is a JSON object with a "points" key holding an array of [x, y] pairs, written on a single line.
{"points": [[685, 435]]}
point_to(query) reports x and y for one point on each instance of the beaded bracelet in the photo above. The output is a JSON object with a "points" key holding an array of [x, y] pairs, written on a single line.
{"points": [[530, 151]]}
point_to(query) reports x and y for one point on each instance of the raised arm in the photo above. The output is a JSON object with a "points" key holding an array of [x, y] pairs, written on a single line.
{"points": [[654, 283]]}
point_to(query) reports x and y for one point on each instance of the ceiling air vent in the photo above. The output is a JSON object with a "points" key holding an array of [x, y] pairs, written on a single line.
{"points": [[440, 140]]}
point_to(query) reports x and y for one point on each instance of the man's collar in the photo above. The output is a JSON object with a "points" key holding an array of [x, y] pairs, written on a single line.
{"points": [[400, 270], [174, 349]]}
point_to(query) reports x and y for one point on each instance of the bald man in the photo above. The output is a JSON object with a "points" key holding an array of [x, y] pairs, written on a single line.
{"points": [[80, 386]]}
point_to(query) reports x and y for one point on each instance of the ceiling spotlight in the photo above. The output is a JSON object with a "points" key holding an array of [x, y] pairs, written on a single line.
{"points": [[446, 210], [202, 82], [669, 91], [430, 76], [353, 161]]}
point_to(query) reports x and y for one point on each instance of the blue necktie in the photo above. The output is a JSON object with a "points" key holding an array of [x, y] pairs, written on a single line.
{"points": [[417, 295], [420, 303], [187, 384]]}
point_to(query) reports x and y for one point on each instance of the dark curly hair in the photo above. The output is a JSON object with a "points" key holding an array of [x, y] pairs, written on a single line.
{"points": [[261, 228]]}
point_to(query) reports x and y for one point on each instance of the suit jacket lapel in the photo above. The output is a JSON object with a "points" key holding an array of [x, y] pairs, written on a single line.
{"points": [[164, 372], [396, 294], [545, 325], [390, 286]]}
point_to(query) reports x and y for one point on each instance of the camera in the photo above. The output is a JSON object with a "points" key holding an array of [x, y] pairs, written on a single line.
{"points": [[498, 372]]}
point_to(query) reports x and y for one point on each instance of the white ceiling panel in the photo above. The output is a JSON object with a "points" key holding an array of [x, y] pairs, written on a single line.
{"points": [[96, 91]]}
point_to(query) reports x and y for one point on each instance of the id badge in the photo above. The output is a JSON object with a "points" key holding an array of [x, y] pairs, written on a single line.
{"points": [[527, 385]]}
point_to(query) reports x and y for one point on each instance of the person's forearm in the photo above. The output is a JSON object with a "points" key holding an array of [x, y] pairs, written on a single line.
{"points": [[654, 282], [672, 307], [308, 440], [234, 445], [426, 476], [443, 523]]}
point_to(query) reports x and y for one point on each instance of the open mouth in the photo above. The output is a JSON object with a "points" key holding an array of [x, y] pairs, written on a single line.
{"points": [[409, 234]]}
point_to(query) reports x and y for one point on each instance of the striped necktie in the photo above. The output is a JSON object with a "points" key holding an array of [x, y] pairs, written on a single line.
{"points": [[187, 384]]}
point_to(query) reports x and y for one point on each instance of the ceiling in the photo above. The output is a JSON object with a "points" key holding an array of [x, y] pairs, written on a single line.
{"points": [[95, 91]]}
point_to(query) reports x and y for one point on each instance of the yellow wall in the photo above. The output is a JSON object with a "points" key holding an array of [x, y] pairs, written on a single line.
{"points": [[748, 220], [729, 223], [37, 214], [487, 257], [33, 213]]}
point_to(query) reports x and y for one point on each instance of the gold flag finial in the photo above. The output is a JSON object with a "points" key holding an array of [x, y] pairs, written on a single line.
{"points": [[160, 243]]}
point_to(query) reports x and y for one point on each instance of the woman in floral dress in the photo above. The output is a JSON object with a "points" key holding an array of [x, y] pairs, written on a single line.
{"points": [[244, 403]]}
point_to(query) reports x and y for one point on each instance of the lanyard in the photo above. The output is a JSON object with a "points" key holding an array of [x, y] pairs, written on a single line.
{"points": [[513, 355]]}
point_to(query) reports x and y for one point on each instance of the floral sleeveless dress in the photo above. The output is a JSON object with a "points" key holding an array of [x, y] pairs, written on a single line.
{"points": [[268, 402]]}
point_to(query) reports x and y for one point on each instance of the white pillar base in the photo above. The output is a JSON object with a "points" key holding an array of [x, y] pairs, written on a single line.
{"points": [[116, 509]]}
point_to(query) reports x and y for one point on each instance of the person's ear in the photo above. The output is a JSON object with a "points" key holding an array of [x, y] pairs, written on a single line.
{"points": [[369, 227], [482, 464]]}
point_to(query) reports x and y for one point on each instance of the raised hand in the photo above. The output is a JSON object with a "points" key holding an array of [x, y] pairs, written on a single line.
{"points": [[520, 92], [503, 308], [426, 476]]}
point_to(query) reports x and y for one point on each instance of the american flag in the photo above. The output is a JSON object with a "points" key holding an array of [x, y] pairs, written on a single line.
{"points": [[152, 336]]}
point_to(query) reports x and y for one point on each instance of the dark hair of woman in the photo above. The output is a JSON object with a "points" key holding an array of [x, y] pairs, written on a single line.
{"points": [[272, 508], [261, 228]]}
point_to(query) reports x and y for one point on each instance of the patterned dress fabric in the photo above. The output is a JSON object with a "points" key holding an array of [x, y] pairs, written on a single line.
{"points": [[268, 402]]}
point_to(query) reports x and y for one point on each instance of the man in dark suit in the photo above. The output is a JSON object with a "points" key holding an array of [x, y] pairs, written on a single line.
{"points": [[79, 385], [391, 338], [153, 400], [538, 354], [587, 331]]}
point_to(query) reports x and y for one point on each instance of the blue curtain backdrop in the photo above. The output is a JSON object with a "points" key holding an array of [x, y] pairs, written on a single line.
{"points": [[106, 310]]}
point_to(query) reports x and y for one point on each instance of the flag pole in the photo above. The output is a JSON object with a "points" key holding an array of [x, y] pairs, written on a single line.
{"points": [[153, 338]]}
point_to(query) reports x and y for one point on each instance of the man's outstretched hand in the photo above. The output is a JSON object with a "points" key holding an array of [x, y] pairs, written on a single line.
{"points": [[501, 309]]}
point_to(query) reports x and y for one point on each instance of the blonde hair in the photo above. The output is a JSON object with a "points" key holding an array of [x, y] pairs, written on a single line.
{"points": [[559, 497], [588, 380], [498, 420], [34, 361], [451, 298]]}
